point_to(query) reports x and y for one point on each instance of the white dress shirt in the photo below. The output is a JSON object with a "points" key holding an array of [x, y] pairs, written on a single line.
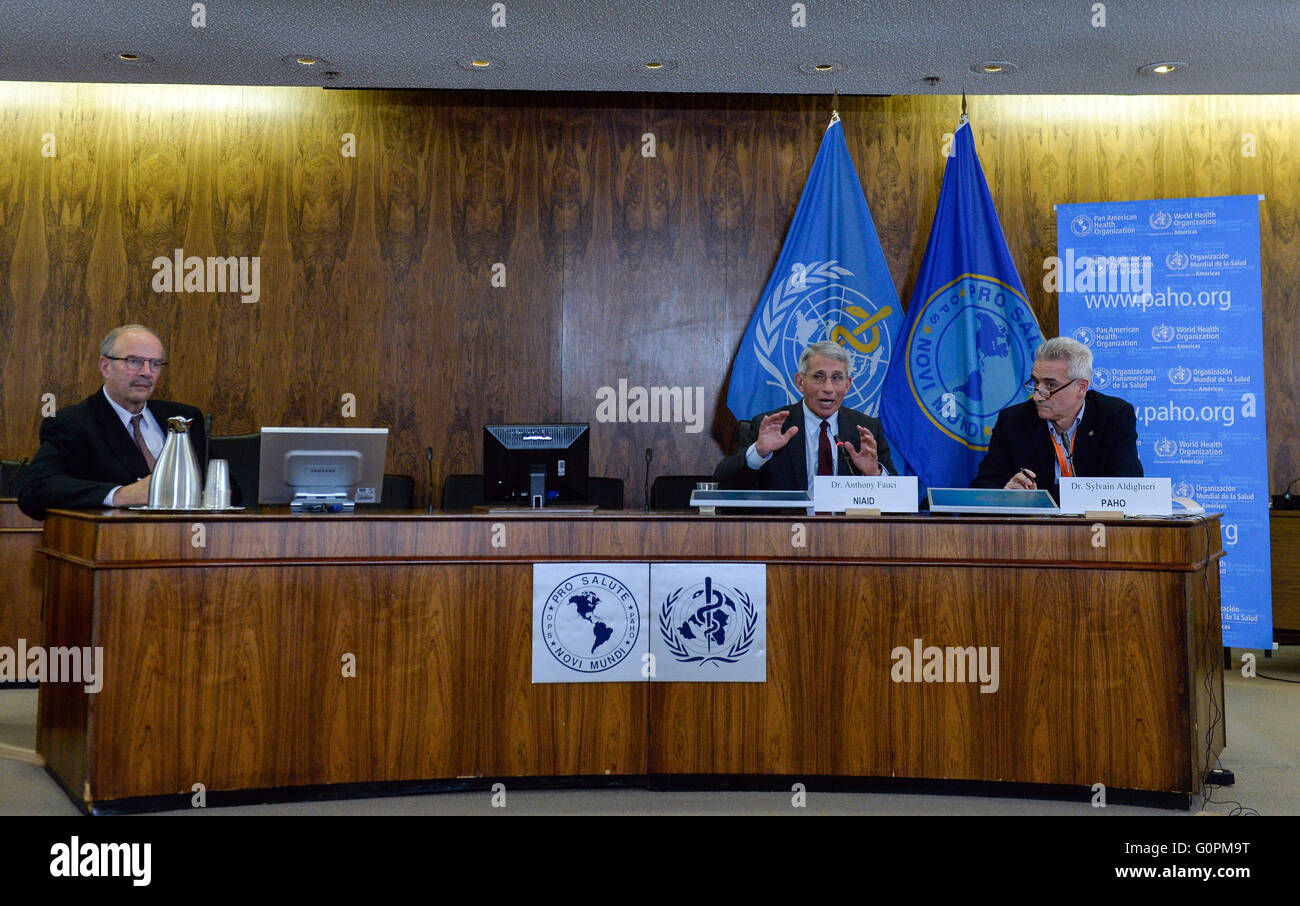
{"points": [[149, 429]]}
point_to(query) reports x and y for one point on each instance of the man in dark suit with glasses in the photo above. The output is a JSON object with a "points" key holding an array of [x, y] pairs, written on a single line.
{"points": [[101, 451], [781, 450], [1064, 429]]}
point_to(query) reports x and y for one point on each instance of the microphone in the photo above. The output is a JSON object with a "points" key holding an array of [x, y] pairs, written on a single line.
{"points": [[649, 455], [844, 446], [428, 462]]}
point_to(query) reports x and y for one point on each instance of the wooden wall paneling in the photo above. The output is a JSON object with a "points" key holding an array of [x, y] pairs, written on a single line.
{"points": [[376, 270], [250, 217], [774, 155], [655, 259], [25, 178], [1276, 174], [435, 346], [918, 130], [1011, 141], [73, 206], [735, 175], [606, 307], [498, 359], [400, 137]]}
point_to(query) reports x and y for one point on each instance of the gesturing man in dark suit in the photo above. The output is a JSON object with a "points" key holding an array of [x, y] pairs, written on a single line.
{"points": [[101, 451], [835, 440], [1064, 429]]}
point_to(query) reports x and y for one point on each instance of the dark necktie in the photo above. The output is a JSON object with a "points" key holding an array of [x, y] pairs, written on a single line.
{"points": [[825, 465], [139, 441]]}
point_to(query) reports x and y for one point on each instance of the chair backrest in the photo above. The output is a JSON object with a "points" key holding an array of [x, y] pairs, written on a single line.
{"points": [[8, 472], [462, 492], [673, 492], [398, 493], [244, 453], [606, 493]]}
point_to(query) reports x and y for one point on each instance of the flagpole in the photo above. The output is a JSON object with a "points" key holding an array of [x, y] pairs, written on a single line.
{"points": [[835, 108], [964, 118]]}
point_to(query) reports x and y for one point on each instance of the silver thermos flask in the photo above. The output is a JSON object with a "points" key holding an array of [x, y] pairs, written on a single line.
{"points": [[176, 483]]}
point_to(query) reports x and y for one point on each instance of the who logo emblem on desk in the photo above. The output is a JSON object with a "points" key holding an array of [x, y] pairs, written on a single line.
{"points": [[711, 622], [592, 622]]}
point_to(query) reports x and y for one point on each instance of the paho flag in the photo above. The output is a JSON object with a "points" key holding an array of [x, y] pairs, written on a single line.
{"points": [[830, 283], [968, 338]]}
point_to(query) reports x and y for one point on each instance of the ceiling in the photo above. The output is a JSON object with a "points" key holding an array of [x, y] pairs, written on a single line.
{"points": [[744, 46]]}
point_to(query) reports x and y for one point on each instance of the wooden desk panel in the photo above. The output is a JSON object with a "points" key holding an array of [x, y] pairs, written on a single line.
{"points": [[1284, 535], [22, 577], [225, 661]]}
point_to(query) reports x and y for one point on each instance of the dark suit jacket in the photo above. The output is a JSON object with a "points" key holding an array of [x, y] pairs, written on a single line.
{"points": [[787, 470], [86, 452], [1105, 445]]}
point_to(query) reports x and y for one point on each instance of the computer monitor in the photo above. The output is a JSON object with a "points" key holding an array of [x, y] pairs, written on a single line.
{"points": [[535, 465], [322, 468]]}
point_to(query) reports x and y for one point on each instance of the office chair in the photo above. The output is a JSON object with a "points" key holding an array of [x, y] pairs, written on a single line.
{"points": [[398, 494], [606, 493], [244, 453], [462, 492], [673, 492], [9, 470]]}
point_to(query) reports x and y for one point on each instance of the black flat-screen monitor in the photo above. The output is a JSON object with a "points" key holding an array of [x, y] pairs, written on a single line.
{"points": [[535, 465]]}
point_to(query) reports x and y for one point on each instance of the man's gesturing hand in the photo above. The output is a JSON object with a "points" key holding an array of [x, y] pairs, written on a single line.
{"points": [[770, 436], [865, 458]]}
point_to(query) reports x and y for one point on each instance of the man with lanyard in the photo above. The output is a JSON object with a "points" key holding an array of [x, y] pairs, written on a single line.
{"points": [[1064, 429]]}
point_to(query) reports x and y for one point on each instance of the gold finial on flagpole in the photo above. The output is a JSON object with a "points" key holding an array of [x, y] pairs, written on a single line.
{"points": [[835, 106], [964, 118]]}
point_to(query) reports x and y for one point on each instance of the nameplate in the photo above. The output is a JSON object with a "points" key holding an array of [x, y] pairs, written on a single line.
{"points": [[888, 493], [1130, 496]]}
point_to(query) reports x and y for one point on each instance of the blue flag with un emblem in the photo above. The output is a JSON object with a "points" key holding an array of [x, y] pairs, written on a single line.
{"points": [[830, 283], [968, 338]]}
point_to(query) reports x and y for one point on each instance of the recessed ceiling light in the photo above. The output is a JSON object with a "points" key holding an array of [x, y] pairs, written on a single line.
{"points": [[480, 64], [302, 61], [129, 58], [1164, 68], [821, 67], [994, 67], [655, 66]]}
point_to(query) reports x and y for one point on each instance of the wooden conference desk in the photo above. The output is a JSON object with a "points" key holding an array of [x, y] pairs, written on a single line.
{"points": [[22, 577], [224, 662], [1284, 535]]}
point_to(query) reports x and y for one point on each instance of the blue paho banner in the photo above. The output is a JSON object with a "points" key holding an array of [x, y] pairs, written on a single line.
{"points": [[1167, 294]]}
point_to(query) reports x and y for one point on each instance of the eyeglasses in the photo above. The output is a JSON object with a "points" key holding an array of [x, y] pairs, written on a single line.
{"points": [[821, 377], [1034, 388], [135, 363]]}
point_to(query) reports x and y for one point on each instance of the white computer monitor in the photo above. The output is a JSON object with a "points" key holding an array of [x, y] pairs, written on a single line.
{"points": [[322, 468]]}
